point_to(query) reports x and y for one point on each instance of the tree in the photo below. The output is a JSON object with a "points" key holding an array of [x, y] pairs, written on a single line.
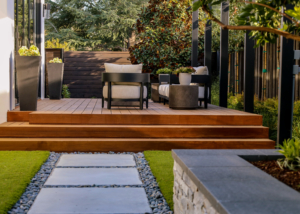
{"points": [[262, 18], [165, 32], [90, 23]]}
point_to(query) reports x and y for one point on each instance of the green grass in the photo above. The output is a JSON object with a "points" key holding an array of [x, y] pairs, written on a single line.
{"points": [[16, 170], [161, 164]]}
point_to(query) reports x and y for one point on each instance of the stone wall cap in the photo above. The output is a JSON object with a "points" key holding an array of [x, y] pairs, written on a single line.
{"points": [[233, 185]]}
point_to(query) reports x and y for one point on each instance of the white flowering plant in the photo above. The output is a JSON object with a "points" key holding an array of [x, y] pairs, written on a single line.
{"points": [[32, 51], [56, 60]]}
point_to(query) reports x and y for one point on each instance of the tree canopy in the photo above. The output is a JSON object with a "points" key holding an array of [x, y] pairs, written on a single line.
{"points": [[262, 18], [100, 24]]}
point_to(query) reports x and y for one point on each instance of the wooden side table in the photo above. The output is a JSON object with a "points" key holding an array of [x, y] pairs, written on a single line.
{"points": [[183, 96]]}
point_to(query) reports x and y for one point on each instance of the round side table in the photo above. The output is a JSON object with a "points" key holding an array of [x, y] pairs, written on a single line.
{"points": [[183, 96]]}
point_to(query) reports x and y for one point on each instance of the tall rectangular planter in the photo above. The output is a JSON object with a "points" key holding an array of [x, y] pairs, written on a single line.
{"points": [[55, 78], [28, 70]]}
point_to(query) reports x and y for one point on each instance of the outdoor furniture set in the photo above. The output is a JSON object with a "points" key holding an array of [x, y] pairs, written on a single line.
{"points": [[128, 83]]}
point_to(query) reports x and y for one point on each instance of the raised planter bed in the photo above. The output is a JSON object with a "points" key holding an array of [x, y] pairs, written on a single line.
{"points": [[223, 181]]}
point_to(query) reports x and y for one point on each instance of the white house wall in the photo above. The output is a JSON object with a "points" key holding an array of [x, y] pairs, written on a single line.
{"points": [[6, 58]]}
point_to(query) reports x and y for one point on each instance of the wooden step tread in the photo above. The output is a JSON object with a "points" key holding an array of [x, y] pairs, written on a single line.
{"points": [[129, 144], [132, 131]]}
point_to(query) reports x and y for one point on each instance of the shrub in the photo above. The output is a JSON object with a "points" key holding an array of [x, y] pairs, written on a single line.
{"points": [[291, 150], [164, 71], [165, 35], [56, 60], [184, 70], [55, 43], [32, 51], [65, 92]]}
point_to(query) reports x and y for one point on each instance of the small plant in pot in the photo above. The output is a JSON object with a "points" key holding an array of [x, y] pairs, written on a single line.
{"points": [[185, 75], [28, 64], [55, 70]]}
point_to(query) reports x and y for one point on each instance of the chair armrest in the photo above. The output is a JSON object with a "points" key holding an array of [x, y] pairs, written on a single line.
{"points": [[204, 79], [126, 77]]}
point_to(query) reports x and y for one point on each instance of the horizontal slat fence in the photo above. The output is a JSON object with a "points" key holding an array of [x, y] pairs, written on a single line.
{"points": [[267, 64], [83, 70]]}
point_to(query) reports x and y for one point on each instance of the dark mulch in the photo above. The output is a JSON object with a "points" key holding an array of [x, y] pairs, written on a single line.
{"points": [[290, 178]]}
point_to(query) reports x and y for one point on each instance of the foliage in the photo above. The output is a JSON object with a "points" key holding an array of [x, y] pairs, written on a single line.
{"points": [[16, 171], [164, 71], [93, 24], [56, 60], [164, 31], [32, 51], [184, 70], [65, 92], [55, 43], [161, 164], [262, 18], [291, 150], [215, 87], [236, 102]]}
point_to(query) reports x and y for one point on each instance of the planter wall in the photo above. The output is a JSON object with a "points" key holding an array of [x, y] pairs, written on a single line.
{"points": [[55, 79], [28, 69]]}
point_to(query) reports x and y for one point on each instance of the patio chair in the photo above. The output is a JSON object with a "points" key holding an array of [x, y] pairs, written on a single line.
{"points": [[200, 78], [124, 83]]}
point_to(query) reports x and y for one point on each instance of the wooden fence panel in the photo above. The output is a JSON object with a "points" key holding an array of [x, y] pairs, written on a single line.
{"points": [[265, 84], [83, 70]]}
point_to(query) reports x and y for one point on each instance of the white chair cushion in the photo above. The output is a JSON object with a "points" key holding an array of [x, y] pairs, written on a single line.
{"points": [[164, 91], [201, 92], [114, 68], [201, 70], [124, 91]]}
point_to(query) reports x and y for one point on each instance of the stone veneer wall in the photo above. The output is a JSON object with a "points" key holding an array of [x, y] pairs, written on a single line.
{"points": [[186, 196]]}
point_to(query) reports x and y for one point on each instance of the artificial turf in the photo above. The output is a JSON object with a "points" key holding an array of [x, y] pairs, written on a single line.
{"points": [[161, 164], [16, 170]]}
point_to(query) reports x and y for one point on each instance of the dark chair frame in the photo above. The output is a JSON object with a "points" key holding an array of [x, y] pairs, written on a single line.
{"points": [[143, 79], [200, 79]]}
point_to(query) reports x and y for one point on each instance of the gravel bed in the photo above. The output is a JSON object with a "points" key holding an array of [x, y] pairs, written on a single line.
{"points": [[156, 200]]}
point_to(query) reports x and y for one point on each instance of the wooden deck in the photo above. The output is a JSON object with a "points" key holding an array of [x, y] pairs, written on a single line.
{"points": [[83, 125]]}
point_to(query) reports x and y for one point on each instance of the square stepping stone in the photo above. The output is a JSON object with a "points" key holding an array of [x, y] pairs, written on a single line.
{"points": [[96, 160], [90, 200], [90, 176]]}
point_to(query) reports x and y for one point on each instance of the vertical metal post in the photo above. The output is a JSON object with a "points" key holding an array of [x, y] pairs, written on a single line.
{"points": [[17, 25], [224, 56], [28, 2], [207, 51], [285, 96], [23, 23], [249, 66], [34, 22], [195, 30]]}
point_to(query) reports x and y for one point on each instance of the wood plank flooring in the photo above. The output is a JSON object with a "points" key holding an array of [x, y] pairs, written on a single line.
{"points": [[70, 125]]}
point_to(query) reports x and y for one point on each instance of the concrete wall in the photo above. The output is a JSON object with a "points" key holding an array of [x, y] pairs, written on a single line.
{"points": [[6, 57]]}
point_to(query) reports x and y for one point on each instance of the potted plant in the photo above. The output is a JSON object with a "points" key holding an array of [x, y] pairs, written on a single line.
{"points": [[55, 70], [28, 68], [185, 73]]}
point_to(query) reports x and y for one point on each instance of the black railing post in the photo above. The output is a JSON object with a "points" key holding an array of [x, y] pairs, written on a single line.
{"points": [[224, 56], [207, 51], [285, 95], [249, 66], [195, 30], [28, 22], [23, 23]]}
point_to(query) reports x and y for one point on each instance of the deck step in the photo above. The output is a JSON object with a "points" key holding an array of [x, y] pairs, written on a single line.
{"points": [[129, 145], [26, 130], [133, 119]]}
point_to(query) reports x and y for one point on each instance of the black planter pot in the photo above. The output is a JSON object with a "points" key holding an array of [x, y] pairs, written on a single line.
{"points": [[28, 70], [55, 78]]}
